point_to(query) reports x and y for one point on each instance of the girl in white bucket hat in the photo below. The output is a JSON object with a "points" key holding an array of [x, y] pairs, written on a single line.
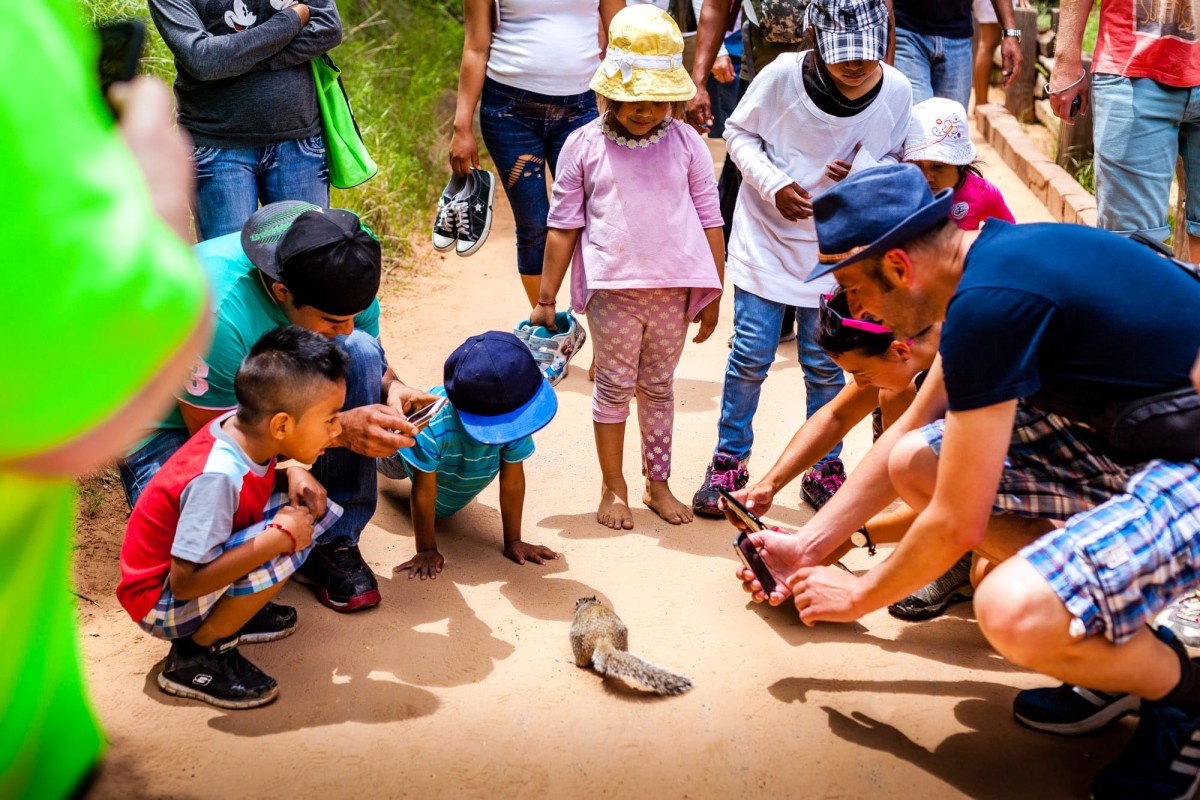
{"points": [[939, 144]]}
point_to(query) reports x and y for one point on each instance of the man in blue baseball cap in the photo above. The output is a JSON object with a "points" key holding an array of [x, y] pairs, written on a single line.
{"points": [[1049, 330], [498, 400]]}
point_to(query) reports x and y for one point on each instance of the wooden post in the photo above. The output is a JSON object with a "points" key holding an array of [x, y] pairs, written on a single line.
{"points": [[1019, 95], [1075, 141]]}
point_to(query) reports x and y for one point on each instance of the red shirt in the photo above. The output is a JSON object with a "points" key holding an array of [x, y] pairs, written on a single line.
{"points": [[1149, 39], [203, 494]]}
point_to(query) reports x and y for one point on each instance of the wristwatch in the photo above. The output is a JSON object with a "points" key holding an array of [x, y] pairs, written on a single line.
{"points": [[1013, 32]]}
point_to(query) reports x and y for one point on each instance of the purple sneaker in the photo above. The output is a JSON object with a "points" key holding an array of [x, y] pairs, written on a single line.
{"points": [[819, 483], [725, 471]]}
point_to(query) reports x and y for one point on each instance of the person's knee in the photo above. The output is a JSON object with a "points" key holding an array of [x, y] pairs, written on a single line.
{"points": [[912, 467], [1011, 605]]}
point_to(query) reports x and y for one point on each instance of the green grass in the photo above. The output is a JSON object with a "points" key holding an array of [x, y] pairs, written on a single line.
{"points": [[399, 60]]}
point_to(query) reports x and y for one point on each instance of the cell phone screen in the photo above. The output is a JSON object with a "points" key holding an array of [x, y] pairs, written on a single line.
{"points": [[741, 512], [754, 562], [120, 50], [423, 416]]}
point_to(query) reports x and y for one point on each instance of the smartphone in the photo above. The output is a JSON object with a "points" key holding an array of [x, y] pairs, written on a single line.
{"points": [[741, 512], [422, 417], [121, 44], [749, 555], [1076, 103]]}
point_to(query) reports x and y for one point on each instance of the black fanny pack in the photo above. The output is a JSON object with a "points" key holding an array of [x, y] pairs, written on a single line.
{"points": [[1164, 425]]}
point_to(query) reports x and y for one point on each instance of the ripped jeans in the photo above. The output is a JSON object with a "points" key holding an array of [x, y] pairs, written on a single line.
{"points": [[524, 133]]}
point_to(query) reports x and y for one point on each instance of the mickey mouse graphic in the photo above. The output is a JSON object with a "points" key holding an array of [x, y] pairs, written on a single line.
{"points": [[240, 17]]}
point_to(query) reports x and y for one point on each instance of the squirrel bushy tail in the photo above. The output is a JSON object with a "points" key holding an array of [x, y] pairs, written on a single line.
{"points": [[607, 660]]}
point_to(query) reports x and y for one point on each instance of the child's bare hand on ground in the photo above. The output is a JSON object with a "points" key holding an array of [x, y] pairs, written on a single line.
{"points": [[707, 318], [521, 552], [426, 564], [543, 316], [375, 431], [794, 203], [299, 522]]}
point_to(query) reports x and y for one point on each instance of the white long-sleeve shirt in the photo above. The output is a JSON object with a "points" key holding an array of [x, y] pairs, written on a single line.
{"points": [[778, 136]]}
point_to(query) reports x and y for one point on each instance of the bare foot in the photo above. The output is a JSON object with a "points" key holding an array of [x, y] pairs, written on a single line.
{"points": [[614, 507], [659, 499]]}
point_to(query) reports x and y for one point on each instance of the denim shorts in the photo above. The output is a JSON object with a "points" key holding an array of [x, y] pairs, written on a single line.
{"points": [[1140, 126]]}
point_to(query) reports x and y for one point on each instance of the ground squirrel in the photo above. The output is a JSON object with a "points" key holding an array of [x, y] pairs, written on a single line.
{"points": [[599, 639]]}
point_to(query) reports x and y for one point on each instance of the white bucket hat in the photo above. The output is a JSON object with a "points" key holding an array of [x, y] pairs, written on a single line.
{"points": [[937, 131]]}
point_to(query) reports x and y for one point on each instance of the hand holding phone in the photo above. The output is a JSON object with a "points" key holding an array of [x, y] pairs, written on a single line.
{"points": [[753, 560], [423, 416], [121, 45]]}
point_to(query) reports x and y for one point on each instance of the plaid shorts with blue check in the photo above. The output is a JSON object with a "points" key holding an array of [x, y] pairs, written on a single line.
{"points": [[1116, 566], [174, 619]]}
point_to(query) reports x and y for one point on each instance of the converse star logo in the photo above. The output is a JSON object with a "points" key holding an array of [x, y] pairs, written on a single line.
{"points": [[479, 207], [202, 680]]}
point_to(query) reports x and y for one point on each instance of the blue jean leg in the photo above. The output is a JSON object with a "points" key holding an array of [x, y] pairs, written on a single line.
{"points": [[232, 182], [138, 468], [524, 133], [756, 323], [823, 379], [348, 477], [935, 65]]}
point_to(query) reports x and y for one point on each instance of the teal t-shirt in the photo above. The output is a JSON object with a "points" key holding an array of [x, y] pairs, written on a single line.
{"points": [[463, 465], [242, 312]]}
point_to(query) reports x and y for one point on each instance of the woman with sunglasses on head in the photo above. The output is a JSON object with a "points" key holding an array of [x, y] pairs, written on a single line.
{"points": [[886, 375]]}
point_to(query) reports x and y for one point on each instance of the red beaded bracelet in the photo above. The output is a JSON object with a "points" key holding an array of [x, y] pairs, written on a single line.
{"points": [[287, 532], [550, 303]]}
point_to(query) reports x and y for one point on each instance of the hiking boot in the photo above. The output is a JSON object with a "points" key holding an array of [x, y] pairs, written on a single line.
{"points": [[1161, 761], [475, 211], [553, 351], [450, 206], [819, 483], [1070, 710], [218, 675], [272, 622], [932, 599], [1183, 618], [725, 471], [339, 577]]}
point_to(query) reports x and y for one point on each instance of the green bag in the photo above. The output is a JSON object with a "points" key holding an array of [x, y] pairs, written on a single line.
{"points": [[349, 162]]}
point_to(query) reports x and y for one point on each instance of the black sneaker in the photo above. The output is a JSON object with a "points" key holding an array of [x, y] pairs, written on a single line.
{"points": [[445, 225], [339, 577], [1070, 710], [475, 211], [271, 623], [1161, 761], [217, 675], [725, 471], [934, 598]]}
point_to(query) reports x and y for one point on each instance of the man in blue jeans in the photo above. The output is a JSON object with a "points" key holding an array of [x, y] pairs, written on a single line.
{"points": [[245, 93], [295, 264], [933, 46]]}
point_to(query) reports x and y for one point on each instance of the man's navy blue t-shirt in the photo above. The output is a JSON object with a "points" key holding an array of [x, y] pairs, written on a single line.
{"points": [[1080, 315], [950, 18]]}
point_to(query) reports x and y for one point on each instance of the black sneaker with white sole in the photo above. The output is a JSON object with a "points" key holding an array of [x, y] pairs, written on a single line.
{"points": [[272, 622], [1070, 710], [218, 675], [475, 211], [450, 206], [339, 577]]}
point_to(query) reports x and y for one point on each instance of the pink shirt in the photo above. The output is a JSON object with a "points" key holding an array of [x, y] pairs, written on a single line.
{"points": [[977, 202], [643, 213]]}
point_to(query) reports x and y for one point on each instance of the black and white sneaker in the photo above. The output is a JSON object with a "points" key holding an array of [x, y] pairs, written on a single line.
{"points": [[218, 675], [272, 622], [475, 211], [450, 206]]}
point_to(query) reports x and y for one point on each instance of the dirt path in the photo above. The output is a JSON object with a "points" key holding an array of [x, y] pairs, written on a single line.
{"points": [[464, 686]]}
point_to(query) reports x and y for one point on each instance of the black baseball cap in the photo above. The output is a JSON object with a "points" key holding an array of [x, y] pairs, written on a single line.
{"points": [[497, 389], [325, 256]]}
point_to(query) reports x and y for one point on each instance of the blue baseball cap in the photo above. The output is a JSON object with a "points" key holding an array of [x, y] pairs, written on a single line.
{"points": [[497, 388], [871, 212]]}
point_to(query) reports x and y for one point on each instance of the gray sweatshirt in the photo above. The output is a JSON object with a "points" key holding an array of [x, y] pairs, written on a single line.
{"points": [[243, 77]]}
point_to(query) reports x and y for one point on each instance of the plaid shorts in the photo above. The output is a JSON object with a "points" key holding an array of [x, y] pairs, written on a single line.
{"points": [[1116, 566], [1054, 468], [174, 619]]}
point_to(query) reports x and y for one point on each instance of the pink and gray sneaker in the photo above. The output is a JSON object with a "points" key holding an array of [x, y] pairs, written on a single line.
{"points": [[821, 482], [725, 471]]}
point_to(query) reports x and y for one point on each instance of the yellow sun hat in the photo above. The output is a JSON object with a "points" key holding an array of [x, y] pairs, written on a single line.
{"points": [[644, 61]]}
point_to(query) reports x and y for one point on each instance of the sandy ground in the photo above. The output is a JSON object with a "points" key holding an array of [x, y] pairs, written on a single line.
{"points": [[464, 686]]}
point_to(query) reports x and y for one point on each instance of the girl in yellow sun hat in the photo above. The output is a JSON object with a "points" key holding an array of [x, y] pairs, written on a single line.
{"points": [[635, 213]]}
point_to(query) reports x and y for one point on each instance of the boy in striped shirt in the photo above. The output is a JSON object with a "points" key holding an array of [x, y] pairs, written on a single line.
{"points": [[498, 399]]}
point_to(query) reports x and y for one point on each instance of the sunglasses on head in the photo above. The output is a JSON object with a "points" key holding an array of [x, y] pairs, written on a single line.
{"points": [[832, 322]]}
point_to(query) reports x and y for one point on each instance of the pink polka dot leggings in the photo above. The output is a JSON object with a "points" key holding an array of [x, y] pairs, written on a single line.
{"points": [[638, 336]]}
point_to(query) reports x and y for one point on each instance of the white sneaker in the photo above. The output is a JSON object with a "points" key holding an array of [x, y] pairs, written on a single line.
{"points": [[553, 351]]}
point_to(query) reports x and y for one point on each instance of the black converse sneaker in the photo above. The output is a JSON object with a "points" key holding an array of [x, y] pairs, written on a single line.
{"points": [[272, 622], [218, 675], [450, 206], [475, 213]]}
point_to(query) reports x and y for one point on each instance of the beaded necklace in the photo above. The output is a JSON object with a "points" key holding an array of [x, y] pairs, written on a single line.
{"points": [[634, 144]]}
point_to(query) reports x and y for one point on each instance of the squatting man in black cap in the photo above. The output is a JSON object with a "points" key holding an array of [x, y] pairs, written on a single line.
{"points": [[296, 264], [1050, 332]]}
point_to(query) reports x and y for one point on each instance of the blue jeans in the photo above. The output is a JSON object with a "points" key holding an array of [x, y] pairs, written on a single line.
{"points": [[756, 324], [1140, 125], [348, 478], [524, 132], [936, 66], [231, 183]]}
